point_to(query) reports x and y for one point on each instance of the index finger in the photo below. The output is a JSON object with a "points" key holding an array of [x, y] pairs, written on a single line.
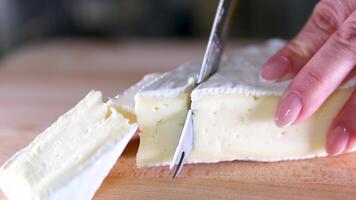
{"points": [[320, 76]]}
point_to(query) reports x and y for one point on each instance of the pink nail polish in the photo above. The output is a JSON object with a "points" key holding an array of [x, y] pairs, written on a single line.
{"points": [[275, 69], [288, 110], [337, 141]]}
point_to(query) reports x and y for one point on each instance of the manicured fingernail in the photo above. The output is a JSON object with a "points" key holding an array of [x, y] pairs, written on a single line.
{"points": [[288, 110], [337, 141], [275, 69]]}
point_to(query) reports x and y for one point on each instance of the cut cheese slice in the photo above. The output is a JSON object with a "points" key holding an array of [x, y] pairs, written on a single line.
{"points": [[233, 115], [71, 158], [161, 108]]}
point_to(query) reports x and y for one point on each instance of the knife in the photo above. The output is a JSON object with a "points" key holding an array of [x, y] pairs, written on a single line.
{"points": [[210, 65]]}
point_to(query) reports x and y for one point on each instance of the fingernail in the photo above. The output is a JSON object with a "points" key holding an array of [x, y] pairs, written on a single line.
{"points": [[337, 141], [288, 110], [275, 69]]}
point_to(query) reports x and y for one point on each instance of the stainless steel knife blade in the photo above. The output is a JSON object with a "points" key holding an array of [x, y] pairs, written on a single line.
{"points": [[210, 65]]}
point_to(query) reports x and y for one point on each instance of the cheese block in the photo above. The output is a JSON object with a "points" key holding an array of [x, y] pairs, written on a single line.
{"points": [[233, 115], [161, 108], [70, 159]]}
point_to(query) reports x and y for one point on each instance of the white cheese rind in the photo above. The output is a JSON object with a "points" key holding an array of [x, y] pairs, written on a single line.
{"points": [[70, 159], [172, 83], [86, 183], [239, 73], [233, 117]]}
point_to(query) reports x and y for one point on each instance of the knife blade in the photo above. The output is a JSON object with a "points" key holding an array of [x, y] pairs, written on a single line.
{"points": [[209, 66]]}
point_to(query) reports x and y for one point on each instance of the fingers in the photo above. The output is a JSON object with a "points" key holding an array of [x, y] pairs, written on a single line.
{"points": [[327, 17], [342, 134], [320, 76]]}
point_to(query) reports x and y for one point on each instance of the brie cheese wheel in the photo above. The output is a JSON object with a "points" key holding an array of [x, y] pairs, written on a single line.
{"points": [[70, 159], [233, 114]]}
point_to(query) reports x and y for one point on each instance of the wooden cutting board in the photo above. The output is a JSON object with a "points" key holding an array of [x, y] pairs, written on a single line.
{"points": [[40, 82]]}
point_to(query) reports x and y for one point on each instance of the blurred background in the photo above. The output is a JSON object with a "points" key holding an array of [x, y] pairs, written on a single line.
{"points": [[52, 52], [22, 21]]}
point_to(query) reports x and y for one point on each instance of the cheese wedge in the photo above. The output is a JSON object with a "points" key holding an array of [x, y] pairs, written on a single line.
{"points": [[233, 114], [70, 159]]}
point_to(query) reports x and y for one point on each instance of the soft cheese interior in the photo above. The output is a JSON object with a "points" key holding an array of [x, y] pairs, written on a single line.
{"points": [[233, 115], [161, 108], [124, 102], [235, 126], [70, 159]]}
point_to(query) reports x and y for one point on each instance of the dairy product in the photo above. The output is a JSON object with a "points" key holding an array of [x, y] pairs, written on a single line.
{"points": [[70, 159], [233, 115]]}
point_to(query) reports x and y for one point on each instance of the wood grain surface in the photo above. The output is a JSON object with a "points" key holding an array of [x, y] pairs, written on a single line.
{"points": [[39, 82]]}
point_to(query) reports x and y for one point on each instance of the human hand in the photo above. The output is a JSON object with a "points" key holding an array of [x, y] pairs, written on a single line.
{"points": [[319, 59]]}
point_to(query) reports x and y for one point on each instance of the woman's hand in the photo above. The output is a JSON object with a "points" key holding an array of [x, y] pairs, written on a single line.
{"points": [[319, 58]]}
